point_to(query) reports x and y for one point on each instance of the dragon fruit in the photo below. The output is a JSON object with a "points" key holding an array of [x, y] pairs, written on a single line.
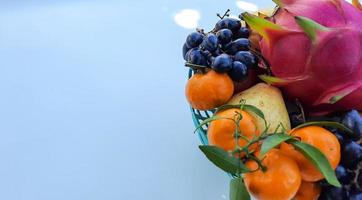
{"points": [[314, 48]]}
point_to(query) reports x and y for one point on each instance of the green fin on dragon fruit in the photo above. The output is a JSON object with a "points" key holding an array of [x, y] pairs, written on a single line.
{"points": [[310, 53]]}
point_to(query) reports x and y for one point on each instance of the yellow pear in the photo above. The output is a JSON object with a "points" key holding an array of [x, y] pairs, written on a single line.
{"points": [[270, 101]]}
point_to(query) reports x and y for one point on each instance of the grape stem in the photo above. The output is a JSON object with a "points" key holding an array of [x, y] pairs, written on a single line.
{"points": [[226, 14], [200, 30]]}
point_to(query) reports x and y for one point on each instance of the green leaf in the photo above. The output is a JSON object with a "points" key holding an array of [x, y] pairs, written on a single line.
{"points": [[273, 141], [327, 123], [238, 190], [244, 107], [223, 159], [247, 107], [206, 121], [255, 110], [310, 27], [228, 106], [318, 159]]}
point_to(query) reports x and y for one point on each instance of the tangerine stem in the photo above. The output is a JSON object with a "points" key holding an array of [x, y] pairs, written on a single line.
{"points": [[196, 67], [259, 162]]}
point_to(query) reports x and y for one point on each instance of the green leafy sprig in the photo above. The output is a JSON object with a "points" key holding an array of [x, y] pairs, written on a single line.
{"points": [[233, 162]]}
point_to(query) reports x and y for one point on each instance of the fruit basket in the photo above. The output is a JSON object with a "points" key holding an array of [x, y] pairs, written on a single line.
{"points": [[198, 116], [276, 100]]}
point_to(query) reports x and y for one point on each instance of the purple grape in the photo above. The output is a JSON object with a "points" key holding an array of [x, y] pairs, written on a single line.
{"points": [[222, 63], [185, 49], [241, 44], [194, 40], [352, 154], [228, 23], [225, 36], [247, 58], [195, 56], [210, 42], [239, 71], [242, 33]]}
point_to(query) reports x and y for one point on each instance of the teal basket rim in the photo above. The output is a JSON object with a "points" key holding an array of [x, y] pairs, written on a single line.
{"points": [[198, 117], [201, 131]]}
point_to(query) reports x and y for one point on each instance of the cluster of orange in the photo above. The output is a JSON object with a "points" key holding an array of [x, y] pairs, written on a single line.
{"points": [[289, 174]]}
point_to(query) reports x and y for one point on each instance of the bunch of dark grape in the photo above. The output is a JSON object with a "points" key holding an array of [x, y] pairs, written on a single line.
{"points": [[349, 172], [225, 49]]}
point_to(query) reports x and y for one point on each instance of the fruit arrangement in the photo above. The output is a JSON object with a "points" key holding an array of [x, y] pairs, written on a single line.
{"points": [[277, 100]]}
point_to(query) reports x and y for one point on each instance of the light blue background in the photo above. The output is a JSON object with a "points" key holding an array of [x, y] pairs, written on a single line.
{"points": [[92, 103]]}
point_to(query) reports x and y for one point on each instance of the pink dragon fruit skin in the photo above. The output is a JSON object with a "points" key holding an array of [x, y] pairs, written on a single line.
{"points": [[314, 48]]}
